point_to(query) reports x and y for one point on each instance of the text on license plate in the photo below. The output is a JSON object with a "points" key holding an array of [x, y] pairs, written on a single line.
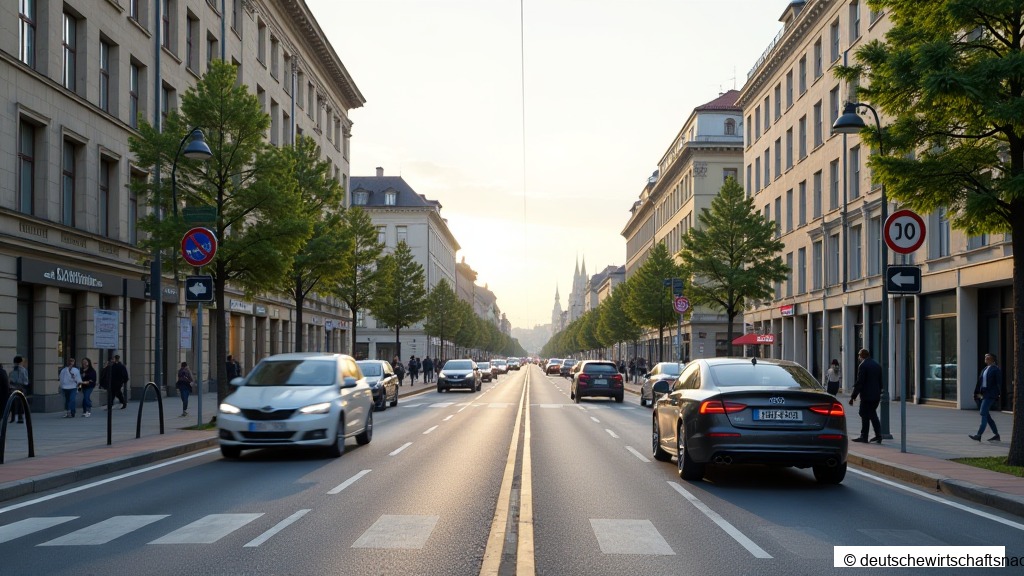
{"points": [[600, 382], [784, 415], [267, 426]]}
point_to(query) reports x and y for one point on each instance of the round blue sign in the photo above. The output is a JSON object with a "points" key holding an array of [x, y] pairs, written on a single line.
{"points": [[199, 246]]}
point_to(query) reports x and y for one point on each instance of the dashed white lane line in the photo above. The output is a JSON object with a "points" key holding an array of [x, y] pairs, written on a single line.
{"points": [[613, 434], [595, 419], [348, 482], [277, 528], [637, 454], [431, 429], [400, 448], [724, 524], [449, 417]]}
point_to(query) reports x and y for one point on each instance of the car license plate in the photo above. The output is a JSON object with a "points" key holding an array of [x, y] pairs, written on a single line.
{"points": [[600, 382], [780, 415], [267, 426]]}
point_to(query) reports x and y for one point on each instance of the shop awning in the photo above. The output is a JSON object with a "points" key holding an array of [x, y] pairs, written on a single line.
{"points": [[754, 339]]}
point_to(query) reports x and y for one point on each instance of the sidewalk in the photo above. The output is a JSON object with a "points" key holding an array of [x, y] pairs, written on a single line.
{"points": [[935, 436], [71, 450]]}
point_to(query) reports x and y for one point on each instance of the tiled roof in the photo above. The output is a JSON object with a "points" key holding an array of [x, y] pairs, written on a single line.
{"points": [[376, 186], [726, 101]]}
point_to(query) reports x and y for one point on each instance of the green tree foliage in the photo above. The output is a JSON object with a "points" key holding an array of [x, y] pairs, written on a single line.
{"points": [[648, 302], [615, 325], [466, 335], [731, 258], [443, 319], [249, 181], [401, 296], [948, 79], [360, 274], [318, 264]]}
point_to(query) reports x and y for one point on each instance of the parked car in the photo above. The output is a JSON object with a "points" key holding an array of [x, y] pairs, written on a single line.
{"points": [[662, 372], [596, 378], [553, 367], [382, 381], [566, 366], [459, 374], [500, 367], [514, 364], [485, 371], [297, 400], [752, 411]]}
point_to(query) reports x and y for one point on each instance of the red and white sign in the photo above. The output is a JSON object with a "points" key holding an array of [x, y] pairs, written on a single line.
{"points": [[788, 310], [681, 304], [199, 246], [904, 232], [754, 339]]}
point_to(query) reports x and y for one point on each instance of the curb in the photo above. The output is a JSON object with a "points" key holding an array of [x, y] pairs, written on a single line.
{"points": [[44, 482], [1011, 503]]}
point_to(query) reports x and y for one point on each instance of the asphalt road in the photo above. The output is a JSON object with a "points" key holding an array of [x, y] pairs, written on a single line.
{"points": [[422, 498]]}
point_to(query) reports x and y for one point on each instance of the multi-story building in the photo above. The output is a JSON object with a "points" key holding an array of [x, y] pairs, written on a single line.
{"points": [[465, 279], [80, 74], [609, 282], [591, 291], [401, 214], [704, 154], [816, 187]]}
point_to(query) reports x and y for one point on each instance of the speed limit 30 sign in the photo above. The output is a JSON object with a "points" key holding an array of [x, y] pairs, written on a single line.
{"points": [[904, 232]]}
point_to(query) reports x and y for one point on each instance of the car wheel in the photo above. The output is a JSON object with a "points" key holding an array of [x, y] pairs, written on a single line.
{"points": [[659, 453], [383, 402], [231, 452], [619, 398], [830, 475], [364, 437], [642, 401], [438, 389], [338, 448], [688, 469], [395, 401]]}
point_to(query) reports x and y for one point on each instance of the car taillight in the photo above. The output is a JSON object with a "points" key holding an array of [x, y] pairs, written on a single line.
{"points": [[830, 437], [721, 434], [618, 380], [835, 409], [720, 407], [583, 379]]}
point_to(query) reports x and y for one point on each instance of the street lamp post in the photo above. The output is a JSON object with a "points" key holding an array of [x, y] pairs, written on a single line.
{"points": [[851, 123]]}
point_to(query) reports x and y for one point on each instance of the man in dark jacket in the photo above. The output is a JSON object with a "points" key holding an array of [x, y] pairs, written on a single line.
{"points": [[990, 384], [869, 387], [232, 368], [5, 388], [428, 369], [118, 377]]}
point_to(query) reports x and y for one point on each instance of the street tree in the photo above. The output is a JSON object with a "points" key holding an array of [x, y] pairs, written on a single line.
{"points": [[247, 180], [466, 336], [319, 263], [732, 257], [400, 299], [648, 302], [443, 319], [948, 81], [615, 325], [360, 273]]}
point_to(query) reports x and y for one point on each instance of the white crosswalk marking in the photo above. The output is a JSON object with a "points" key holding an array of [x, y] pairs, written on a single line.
{"points": [[392, 531], [630, 537], [277, 528], [412, 405], [441, 405], [207, 530], [30, 526], [104, 531], [552, 405]]}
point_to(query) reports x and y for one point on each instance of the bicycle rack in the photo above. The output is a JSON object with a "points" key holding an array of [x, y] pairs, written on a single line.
{"points": [[28, 423], [142, 401]]}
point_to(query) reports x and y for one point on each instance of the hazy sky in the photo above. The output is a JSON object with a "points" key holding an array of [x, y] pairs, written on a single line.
{"points": [[609, 84]]}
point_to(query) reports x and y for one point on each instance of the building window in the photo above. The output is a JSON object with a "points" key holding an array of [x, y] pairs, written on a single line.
{"points": [[287, 73], [856, 252], [261, 42], [104, 76], [26, 168], [943, 232], [802, 204], [757, 174], [757, 123], [211, 48], [401, 234], [729, 173], [236, 16], [67, 196], [191, 46], [275, 53], [833, 106], [801, 271], [874, 246], [818, 65], [833, 190], [789, 89], [749, 124], [133, 95], [730, 127], [778, 157], [778, 102], [68, 46], [749, 182], [833, 260], [834, 35], [789, 149], [855, 172], [789, 210], [359, 198], [133, 9], [167, 103], [300, 84], [389, 198], [818, 128], [310, 95], [816, 264], [382, 234], [767, 167], [789, 274], [169, 25], [817, 194], [802, 136], [104, 198], [767, 114], [27, 32], [778, 217], [803, 74], [854, 20]]}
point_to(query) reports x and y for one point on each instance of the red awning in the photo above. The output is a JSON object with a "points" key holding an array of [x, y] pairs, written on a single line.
{"points": [[755, 339]]}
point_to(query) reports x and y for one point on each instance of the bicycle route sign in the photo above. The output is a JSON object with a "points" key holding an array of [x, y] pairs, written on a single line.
{"points": [[199, 246]]}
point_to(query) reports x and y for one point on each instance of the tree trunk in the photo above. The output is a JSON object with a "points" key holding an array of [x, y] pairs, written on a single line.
{"points": [[661, 343], [1016, 456], [355, 314], [220, 358], [731, 314], [398, 345], [300, 299]]}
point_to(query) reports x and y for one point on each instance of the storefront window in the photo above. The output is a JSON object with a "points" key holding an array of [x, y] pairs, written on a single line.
{"points": [[875, 317], [816, 336], [25, 325], [938, 347]]}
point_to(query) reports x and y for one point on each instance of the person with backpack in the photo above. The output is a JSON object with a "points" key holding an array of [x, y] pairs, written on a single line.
{"points": [[400, 371], [413, 370], [19, 381], [428, 369]]}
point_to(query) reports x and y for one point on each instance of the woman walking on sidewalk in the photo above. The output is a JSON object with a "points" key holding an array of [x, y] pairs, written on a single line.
{"points": [[833, 378], [88, 385], [184, 385], [70, 380]]}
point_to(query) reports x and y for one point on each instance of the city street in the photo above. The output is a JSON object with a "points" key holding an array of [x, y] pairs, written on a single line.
{"points": [[438, 491]]}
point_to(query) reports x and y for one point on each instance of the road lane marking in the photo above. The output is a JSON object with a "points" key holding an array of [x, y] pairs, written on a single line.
{"points": [[393, 531], [448, 418], [400, 448], [637, 454], [208, 529], [411, 405], [348, 482], [277, 528], [498, 405], [104, 531], [525, 565], [934, 498], [630, 537], [463, 408], [724, 524], [106, 481], [431, 429], [441, 405], [551, 405], [31, 526], [613, 434], [595, 419]]}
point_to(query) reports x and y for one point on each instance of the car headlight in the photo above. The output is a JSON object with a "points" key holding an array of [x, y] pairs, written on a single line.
{"points": [[442, 375], [229, 409], [321, 408]]}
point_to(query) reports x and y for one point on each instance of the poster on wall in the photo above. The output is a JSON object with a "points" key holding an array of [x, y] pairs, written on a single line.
{"points": [[185, 333], [105, 323]]}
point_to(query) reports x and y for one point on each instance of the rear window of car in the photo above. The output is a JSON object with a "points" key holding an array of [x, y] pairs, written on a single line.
{"points": [[293, 373], [483, 365], [594, 368], [569, 363], [458, 365], [370, 368], [499, 362], [765, 375]]}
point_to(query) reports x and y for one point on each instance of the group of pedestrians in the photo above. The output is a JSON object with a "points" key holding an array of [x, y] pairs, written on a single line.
{"points": [[637, 368], [414, 367]]}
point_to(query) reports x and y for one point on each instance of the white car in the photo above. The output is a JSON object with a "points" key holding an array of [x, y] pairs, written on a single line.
{"points": [[297, 400]]}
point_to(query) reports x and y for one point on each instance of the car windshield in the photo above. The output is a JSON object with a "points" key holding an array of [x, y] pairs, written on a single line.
{"points": [[483, 365], [293, 373], [370, 368], [670, 368], [458, 365], [499, 362], [569, 363], [765, 375], [602, 368]]}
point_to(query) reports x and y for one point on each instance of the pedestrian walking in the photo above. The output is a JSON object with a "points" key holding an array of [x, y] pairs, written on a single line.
{"points": [[833, 377], [869, 387], [400, 372], [622, 367], [986, 392], [184, 385], [117, 377], [19, 381], [89, 381], [239, 373], [232, 368], [438, 365], [632, 369], [428, 369], [413, 370], [70, 379]]}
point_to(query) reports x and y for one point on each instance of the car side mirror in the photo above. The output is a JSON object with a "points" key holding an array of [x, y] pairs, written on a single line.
{"points": [[236, 382], [349, 382], [661, 387]]}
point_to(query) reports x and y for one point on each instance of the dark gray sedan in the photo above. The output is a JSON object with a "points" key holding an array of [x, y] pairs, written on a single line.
{"points": [[383, 381], [751, 411], [459, 374]]}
